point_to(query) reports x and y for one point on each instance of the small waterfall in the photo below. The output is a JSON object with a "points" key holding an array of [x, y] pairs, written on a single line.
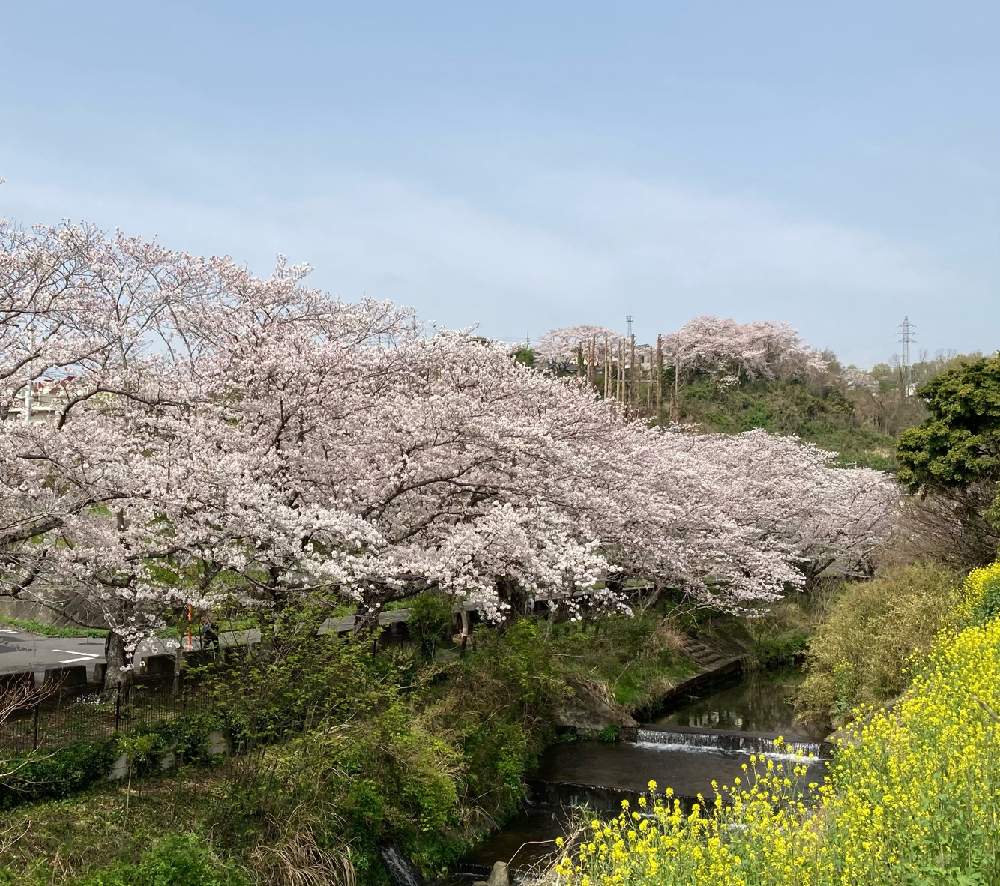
{"points": [[733, 742], [401, 870]]}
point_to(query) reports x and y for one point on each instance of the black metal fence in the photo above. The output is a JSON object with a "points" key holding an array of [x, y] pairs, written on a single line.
{"points": [[70, 715]]}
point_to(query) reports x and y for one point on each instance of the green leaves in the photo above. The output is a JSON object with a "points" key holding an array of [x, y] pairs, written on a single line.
{"points": [[960, 443], [176, 860], [58, 774], [861, 652]]}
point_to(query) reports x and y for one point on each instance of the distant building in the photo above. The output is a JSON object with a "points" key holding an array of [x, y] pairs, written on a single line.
{"points": [[42, 402]]}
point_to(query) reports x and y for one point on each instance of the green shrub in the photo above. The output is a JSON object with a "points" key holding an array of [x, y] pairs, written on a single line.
{"points": [[345, 789], [175, 860], [298, 679], [863, 651], [67, 770], [187, 738], [988, 606], [430, 623], [56, 774]]}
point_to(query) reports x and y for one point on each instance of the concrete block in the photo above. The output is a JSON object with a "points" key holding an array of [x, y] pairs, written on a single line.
{"points": [[72, 677], [119, 769], [218, 744]]}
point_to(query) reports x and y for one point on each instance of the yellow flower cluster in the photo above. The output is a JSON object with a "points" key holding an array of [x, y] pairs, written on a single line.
{"points": [[912, 796]]}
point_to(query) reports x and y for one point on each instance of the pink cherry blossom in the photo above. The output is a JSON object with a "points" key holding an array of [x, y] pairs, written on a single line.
{"points": [[212, 433]]}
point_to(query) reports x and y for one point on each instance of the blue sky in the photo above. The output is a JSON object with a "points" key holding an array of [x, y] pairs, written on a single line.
{"points": [[529, 165]]}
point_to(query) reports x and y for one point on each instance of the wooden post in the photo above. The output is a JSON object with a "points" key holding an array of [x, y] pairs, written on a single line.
{"points": [[591, 369], [607, 368], [633, 394], [676, 416], [579, 359], [649, 381], [659, 380], [621, 371]]}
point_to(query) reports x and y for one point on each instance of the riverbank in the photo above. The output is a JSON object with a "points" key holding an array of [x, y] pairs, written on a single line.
{"points": [[911, 797], [351, 750], [704, 732]]}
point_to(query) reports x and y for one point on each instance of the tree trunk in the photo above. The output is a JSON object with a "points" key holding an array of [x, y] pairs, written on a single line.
{"points": [[118, 671], [510, 592]]}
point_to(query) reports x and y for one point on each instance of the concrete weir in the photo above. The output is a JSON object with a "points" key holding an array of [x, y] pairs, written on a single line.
{"points": [[673, 748]]}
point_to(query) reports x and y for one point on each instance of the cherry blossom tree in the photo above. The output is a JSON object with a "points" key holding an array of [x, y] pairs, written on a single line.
{"points": [[226, 434], [140, 469], [796, 499], [724, 347], [486, 432], [563, 345]]}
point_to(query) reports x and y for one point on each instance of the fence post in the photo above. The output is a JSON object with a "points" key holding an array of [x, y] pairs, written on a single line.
{"points": [[118, 706], [34, 717]]}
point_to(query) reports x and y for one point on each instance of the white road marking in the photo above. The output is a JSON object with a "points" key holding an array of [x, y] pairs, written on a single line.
{"points": [[8, 631], [81, 656]]}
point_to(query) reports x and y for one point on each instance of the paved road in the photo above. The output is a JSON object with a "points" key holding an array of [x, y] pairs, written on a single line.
{"points": [[22, 652]]}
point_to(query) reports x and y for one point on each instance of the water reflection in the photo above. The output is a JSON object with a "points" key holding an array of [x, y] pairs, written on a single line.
{"points": [[758, 701]]}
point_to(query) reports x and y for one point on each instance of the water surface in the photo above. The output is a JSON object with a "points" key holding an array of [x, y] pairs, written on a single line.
{"points": [[756, 701], [705, 736]]}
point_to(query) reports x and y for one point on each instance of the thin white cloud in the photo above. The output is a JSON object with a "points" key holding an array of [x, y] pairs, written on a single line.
{"points": [[566, 248]]}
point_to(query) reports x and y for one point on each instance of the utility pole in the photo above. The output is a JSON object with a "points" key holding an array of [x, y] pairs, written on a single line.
{"points": [[906, 337], [632, 378], [659, 381]]}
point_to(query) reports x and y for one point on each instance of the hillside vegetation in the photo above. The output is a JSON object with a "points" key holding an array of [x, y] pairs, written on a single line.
{"points": [[820, 414], [728, 377]]}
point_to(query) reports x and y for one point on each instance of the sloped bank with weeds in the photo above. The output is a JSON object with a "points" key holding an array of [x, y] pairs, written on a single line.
{"points": [[343, 751]]}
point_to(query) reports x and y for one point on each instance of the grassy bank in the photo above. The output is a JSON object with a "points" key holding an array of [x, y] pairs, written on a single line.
{"points": [[416, 745], [43, 629]]}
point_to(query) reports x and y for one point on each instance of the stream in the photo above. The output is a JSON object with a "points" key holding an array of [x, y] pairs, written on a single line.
{"points": [[706, 735]]}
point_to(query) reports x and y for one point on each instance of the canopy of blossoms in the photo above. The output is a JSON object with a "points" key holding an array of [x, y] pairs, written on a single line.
{"points": [[223, 433], [561, 345], [722, 346]]}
